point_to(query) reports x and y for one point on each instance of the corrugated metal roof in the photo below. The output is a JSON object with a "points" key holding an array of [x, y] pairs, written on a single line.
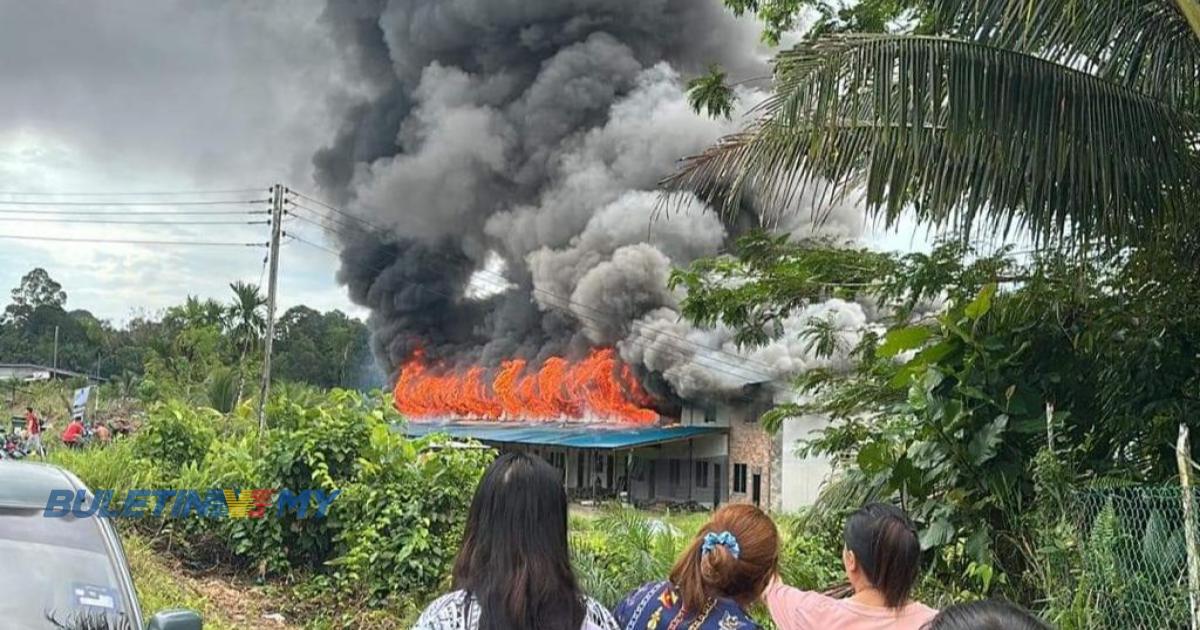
{"points": [[564, 435]]}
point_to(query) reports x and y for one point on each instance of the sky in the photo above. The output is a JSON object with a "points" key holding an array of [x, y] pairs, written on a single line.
{"points": [[123, 95], [127, 96]]}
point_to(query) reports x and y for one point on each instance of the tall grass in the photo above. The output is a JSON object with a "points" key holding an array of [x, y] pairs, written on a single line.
{"points": [[621, 549], [113, 467]]}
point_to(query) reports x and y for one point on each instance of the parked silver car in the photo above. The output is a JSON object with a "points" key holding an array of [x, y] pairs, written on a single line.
{"points": [[64, 571]]}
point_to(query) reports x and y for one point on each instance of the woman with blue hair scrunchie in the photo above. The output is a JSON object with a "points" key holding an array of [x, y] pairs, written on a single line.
{"points": [[720, 574]]}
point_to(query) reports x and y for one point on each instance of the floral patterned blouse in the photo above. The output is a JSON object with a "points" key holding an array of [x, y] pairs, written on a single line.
{"points": [[451, 612], [658, 606]]}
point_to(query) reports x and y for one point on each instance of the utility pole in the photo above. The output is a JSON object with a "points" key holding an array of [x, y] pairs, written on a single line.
{"points": [[54, 365], [276, 232]]}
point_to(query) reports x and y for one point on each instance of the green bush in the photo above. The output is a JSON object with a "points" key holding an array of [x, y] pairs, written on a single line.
{"points": [[176, 434], [623, 549], [391, 533], [221, 389], [394, 533], [807, 561]]}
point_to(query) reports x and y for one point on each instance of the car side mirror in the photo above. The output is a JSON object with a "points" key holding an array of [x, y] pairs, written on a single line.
{"points": [[177, 619]]}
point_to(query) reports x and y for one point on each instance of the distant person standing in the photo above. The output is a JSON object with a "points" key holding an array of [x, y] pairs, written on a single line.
{"points": [[103, 435], [33, 433]]}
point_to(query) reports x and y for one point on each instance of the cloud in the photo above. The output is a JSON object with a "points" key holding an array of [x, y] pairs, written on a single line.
{"points": [[130, 95]]}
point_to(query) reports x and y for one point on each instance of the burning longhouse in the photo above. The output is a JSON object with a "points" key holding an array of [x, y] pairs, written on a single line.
{"points": [[503, 160]]}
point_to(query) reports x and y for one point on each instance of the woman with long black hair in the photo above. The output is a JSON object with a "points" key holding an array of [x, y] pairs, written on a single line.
{"points": [[882, 557], [513, 571]]}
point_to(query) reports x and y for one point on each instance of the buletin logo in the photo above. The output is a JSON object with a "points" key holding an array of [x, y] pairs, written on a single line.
{"points": [[211, 503]]}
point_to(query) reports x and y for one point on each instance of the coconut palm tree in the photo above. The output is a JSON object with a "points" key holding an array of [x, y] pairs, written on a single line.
{"points": [[195, 313], [246, 322], [1075, 121]]}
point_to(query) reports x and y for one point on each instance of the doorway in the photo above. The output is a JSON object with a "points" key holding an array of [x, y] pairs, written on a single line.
{"points": [[653, 480], [756, 490], [716, 485]]}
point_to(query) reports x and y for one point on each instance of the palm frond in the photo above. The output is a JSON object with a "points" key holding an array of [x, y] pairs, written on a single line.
{"points": [[970, 135], [710, 94], [1147, 45]]}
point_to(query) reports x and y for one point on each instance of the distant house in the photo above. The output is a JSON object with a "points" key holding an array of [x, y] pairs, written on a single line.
{"points": [[28, 372]]}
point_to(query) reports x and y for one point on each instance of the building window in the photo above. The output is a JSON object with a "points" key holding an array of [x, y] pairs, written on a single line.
{"points": [[701, 474], [710, 414], [739, 478], [674, 472]]}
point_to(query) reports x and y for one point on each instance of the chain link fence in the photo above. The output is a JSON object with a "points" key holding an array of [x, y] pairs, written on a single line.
{"points": [[1134, 558]]}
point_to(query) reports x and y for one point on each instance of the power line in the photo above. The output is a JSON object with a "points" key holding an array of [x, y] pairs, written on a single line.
{"points": [[309, 221], [337, 210], [146, 213], [134, 203], [327, 217], [149, 193], [127, 241], [121, 222], [263, 271], [311, 244]]}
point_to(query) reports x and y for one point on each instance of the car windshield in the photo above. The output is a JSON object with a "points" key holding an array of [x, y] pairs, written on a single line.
{"points": [[56, 573]]}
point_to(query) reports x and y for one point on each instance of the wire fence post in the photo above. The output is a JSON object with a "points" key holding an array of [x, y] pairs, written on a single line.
{"points": [[1183, 457]]}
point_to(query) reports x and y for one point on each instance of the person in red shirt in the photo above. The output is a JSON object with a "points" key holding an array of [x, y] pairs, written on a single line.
{"points": [[73, 435], [33, 433]]}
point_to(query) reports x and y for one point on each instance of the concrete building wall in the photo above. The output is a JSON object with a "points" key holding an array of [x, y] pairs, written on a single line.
{"points": [[802, 478], [707, 415], [23, 372], [692, 470], [677, 480]]}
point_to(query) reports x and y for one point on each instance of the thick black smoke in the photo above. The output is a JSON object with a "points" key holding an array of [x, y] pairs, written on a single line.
{"points": [[529, 132]]}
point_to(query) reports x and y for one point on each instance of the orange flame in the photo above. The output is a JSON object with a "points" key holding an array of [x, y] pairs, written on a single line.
{"points": [[599, 387]]}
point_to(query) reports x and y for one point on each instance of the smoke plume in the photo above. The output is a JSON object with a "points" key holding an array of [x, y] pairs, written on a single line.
{"points": [[533, 132]]}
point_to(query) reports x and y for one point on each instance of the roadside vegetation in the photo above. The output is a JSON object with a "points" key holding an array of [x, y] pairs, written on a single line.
{"points": [[1000, 398]]}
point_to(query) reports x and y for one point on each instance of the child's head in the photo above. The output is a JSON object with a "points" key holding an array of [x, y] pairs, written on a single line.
{"points": [[986, 615], [882, 552], [734, 555]]}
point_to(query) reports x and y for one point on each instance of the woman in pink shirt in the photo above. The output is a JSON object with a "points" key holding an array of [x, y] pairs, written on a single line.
{"points": [[882, 557]]}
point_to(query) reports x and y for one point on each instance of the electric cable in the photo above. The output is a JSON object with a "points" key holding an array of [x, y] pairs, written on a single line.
{"points": [[128, 241]]}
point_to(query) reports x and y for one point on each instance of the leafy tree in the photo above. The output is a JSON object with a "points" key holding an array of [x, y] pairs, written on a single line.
{"points": [[838, 16], [1091, 359], [323, 349], [1077, 125], [37, 289], [195, 313], [183, 350], [770, 278]]}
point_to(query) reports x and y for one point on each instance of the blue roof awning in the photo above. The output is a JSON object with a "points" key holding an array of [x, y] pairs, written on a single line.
{"points": [[564, 435]]}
